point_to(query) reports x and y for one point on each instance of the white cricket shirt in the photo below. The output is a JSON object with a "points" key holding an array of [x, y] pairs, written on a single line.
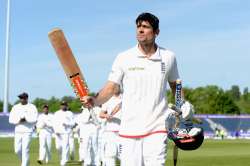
{"points": [[19, 111], [45, 122], [144, 82], [63, 121]]}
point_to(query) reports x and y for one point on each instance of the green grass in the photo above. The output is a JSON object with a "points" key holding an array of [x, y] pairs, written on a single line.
{"points": [[216, 153], [212, 153]]}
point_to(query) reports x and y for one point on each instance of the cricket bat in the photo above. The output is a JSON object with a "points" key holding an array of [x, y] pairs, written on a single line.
{"points": [[178, 102], [69, 64]]}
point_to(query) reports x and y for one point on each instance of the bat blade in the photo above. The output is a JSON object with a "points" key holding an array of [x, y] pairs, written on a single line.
{"points": [[68, 62], [70, 66]]}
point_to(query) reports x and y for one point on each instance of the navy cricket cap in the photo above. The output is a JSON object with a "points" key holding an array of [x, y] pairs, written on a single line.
{"points": [[23, 95]]}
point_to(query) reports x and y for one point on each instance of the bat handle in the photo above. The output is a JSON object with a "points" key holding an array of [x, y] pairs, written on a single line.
{"points": [[175, 155], [93, 116], [87, 101], [175, 162]]}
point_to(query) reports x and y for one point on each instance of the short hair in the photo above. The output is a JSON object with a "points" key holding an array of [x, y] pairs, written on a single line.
{"points": [[152, 19], [46, 106]]}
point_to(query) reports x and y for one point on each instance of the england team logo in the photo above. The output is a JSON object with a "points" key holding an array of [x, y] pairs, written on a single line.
{"points": [[163, 67]]}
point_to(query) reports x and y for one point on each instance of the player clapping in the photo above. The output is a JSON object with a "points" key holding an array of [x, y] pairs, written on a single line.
{"points": [[24, 116], [63, 123], [45, 130]]}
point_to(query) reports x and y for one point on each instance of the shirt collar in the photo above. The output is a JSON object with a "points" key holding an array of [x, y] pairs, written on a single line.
{"points": [[155, 56]]}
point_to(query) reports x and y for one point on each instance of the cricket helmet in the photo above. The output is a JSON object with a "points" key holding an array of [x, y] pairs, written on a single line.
{"points": [[189, 140]]}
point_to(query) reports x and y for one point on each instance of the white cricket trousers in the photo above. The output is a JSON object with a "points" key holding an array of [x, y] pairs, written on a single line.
{"points": [[146, 151], [83, 148], [89, 150], [62, 145], [45, 145], [72, 147], [110, 148], [22, 147]]}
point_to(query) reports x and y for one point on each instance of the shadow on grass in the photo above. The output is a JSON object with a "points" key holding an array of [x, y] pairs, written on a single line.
{"points": [[74, 163]]}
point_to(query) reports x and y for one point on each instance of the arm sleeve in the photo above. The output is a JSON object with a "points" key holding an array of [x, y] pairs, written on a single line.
{"points": [[14, 117], [77, 119], [56, 122], [173, 71], [116, 73], [39, 123]]}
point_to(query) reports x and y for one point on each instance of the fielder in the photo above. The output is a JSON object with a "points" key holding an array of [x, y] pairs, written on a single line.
{"points": [[45, 130], [24, 116], [88, 148], [110, 136], [62, 125], [81, 121], [101, 138], [143, 73]]}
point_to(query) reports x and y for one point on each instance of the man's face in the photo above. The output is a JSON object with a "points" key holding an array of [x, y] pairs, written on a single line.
{"points": [[24, 100], [145, 33], [64, 107], [46, 110]]}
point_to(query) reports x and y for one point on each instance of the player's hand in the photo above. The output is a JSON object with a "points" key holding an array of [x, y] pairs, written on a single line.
{"points": [[109, 117], [88, 101], [187, 110], [22, 120]]}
